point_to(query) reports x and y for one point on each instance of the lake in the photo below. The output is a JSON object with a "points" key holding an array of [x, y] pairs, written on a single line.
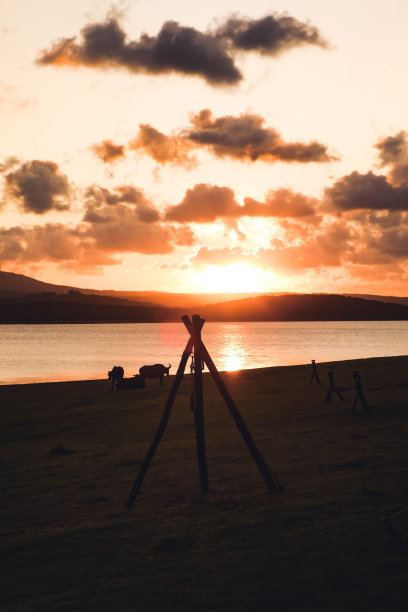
{"points": [[43, 353]]}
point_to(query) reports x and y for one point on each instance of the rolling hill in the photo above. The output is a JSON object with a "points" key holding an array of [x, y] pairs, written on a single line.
{"points": [[26, 300]]}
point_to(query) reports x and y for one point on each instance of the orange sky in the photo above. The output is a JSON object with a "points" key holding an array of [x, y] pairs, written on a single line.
{"points": [[215, 147]]}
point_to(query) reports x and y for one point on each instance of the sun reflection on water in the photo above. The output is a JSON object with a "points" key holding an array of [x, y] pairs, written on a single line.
{"points": [[233, 352]]}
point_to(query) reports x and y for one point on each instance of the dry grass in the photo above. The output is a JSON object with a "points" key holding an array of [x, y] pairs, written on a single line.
{"points": [[71, 452]]}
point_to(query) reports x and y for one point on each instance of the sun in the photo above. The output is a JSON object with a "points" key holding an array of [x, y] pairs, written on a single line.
{"points": [[232, 278]]}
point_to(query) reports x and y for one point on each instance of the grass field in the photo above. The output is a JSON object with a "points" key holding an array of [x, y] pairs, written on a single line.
{"points": [[70, 453]]}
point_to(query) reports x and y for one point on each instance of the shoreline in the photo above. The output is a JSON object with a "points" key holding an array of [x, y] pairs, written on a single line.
{"points": [[223, 372]]}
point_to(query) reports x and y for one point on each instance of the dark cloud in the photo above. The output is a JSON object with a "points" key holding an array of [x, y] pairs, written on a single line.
{"points": [[206, 203], [358, 191], [108, 151], [245, 137], [185, 50], [393, 152], [38, 187], [175, 49], [101, 202], [270, 35], [163, 149]]}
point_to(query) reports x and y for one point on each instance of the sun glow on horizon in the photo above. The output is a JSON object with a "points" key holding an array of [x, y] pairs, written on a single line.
{"points": [[232, 278]]}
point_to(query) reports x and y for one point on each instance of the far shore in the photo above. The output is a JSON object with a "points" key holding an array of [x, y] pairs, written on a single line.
{"points": [[73, 449]]}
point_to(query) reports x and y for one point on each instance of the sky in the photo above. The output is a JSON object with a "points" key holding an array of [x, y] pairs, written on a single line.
{"points": [[220, 146]]}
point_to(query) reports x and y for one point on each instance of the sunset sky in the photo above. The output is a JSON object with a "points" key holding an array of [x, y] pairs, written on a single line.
{"points": [[206, 146]]}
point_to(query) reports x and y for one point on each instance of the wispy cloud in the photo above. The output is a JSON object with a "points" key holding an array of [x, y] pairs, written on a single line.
{"points": [[108, 151]]}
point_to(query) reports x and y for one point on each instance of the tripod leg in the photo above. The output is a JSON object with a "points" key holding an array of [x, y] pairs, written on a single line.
{"points": [[354, 404], [268, 477], [162, 426], [199, 423]]}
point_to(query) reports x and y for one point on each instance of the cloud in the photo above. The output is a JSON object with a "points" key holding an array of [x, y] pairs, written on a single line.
{"points": [[270, 35], [181, 49], [52, 243], [163, 149], [282, 203], [245, 137], [206, 203], [358, 191], [393, 152], [38, 187], [119, 221], [9, 163], [91, 244], [221, 257], [108, 151], [203, 204], [100, 204], [332, 245]]}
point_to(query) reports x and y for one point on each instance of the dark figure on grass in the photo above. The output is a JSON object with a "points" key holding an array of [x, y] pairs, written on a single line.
{"points": [[116, 375], [157, 370]]}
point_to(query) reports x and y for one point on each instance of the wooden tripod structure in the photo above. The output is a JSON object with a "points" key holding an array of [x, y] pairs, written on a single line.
{"points": [[201, 356]]}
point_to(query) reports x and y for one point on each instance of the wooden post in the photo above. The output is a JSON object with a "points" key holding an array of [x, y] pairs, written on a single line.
{"points": [[162, 426], [314, 373], [359, 394], [332, 388], [268, 477], [198, 402]]}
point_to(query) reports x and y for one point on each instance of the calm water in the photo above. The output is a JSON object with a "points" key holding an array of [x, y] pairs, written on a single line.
{"points": [[40, 353]]}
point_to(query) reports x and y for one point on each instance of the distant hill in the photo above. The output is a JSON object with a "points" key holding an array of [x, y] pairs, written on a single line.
{"points": [[26, 300], [380, 298], [15, 285], [307, 307], [265, 308]]}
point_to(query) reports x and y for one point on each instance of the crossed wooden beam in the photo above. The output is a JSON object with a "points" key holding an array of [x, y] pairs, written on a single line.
{"points": [[201, 356]]}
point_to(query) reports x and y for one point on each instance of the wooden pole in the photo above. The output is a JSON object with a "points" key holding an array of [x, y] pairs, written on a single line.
{"points": [[199, 403], [162, 426], [359, 394], [268, 477], [332, 388], [314, 373]]}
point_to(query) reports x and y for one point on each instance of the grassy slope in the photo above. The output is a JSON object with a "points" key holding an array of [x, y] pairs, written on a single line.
{"points": [[68, 544]]}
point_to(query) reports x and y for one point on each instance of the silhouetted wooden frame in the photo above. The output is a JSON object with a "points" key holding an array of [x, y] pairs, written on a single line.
{"points": [[315, 375], [359, 393], [201, 356], [333, 388]]}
